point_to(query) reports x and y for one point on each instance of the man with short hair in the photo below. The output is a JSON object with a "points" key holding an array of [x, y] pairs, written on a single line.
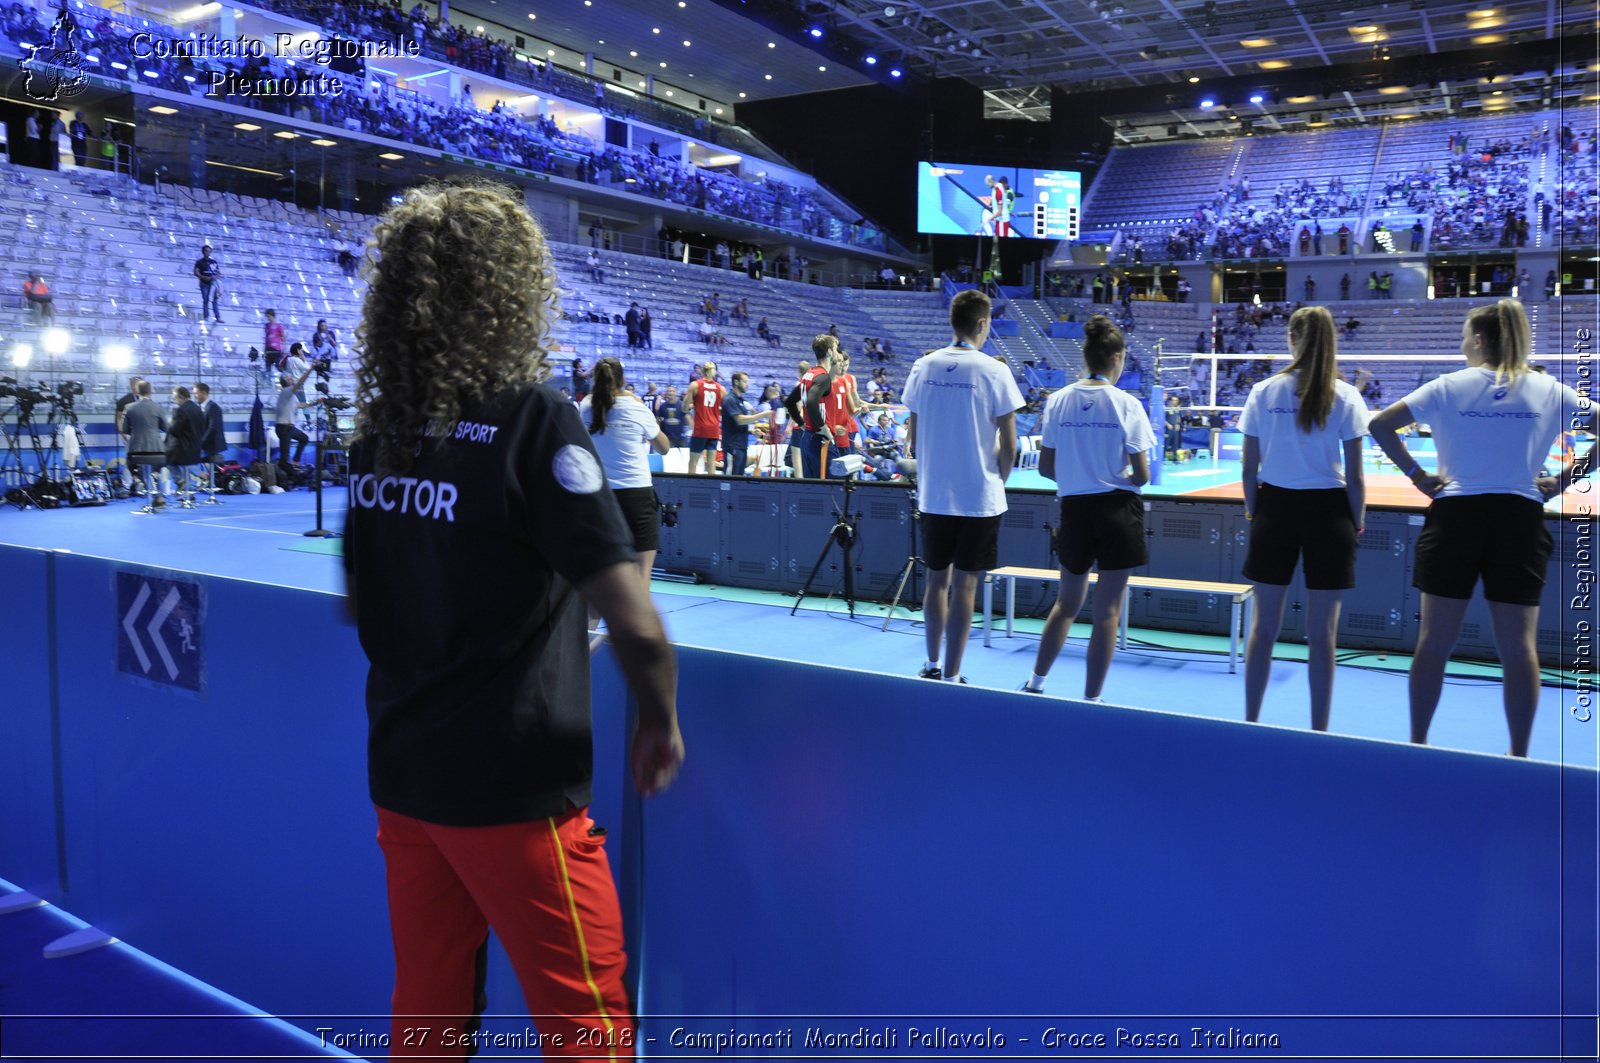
{"points": [[702, 403], [145, 426], [209, 273], [185, 432], [963, 433], [286, 428], [806, 405], [737, 417], [214, 441]]}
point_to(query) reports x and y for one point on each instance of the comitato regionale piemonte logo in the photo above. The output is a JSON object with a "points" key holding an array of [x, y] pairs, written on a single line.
{"points": [[55, 70]]}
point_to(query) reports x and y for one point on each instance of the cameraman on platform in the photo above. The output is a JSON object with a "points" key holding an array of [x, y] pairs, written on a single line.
{"points": [[963, 433]]}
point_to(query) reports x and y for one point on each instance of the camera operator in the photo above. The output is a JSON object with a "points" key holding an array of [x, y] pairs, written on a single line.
{"points": [[299, 366], [963, 433], [289, 403]]}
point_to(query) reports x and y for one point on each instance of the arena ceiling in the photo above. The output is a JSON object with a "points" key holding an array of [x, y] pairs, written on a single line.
{"points": [[1021, 51]]}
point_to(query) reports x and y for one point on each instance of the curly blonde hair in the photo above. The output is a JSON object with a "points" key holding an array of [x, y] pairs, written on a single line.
{"points": [[461, 288]]}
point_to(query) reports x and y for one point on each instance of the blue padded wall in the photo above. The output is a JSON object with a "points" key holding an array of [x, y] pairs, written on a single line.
{"points": [[28, 805], [967, 852]]}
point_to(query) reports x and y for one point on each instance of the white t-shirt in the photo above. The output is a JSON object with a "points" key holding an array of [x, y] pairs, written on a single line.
{"points": [[1302, 461], [1093, 429], [957, 394], [624, 447], [1493, 439]]}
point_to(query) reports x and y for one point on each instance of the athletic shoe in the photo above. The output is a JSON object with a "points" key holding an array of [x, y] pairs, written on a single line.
{"points": [[931, 673], [1026, 689]]}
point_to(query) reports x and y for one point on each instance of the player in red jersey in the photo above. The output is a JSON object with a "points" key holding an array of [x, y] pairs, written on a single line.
{"points": [[703, 402]]}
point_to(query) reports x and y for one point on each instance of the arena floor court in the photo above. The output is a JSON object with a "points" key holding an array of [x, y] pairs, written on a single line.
{"points": [[260, 538]]}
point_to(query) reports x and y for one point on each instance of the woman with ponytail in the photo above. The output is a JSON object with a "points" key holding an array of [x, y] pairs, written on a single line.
{"points": [[1304, 496], [624, 431], [1493, 423], [1094, 443]]}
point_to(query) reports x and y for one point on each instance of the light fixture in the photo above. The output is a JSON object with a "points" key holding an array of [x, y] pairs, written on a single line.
{"points": [[1207, 103], [663, 66], [686, 44], [160, 109], [391, 156], [1258, 42], [1274, 64], [1487, 38], [822, 70], [769, 77], [719, 110], [552, 51], [284, 134], [815, 31], [741, 95], [117, 357], [21, 355], [633, 55], [894, 72], [772, 44], [656, 30], [872, 60], [532, 15], [1193, 80], [56, 340], [325, 143], [669, 92], [1256, 98]]}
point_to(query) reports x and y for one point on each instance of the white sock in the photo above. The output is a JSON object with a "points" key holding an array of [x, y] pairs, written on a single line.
{"points": [[929, 664], [952, 679], [1036, 682], [1096, 699]]}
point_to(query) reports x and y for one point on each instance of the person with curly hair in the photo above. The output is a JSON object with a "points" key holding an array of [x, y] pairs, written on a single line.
{"points": [[480, 522]]}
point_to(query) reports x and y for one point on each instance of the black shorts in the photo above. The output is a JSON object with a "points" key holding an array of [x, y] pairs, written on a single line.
{"points": [[971, 544], [697, 444], [1503, 538], [1315, 522], [642, 517], [1107, 528]]}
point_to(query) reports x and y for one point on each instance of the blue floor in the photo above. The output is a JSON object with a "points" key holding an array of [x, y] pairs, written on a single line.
{"points": [[259, 538]]}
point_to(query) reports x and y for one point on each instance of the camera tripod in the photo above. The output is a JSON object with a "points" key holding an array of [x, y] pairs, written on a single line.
{"points": [[843, 533], [914, 564]]}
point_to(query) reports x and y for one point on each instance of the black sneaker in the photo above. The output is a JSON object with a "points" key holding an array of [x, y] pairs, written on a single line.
{"points": [[931, 672], [1026, 689]]}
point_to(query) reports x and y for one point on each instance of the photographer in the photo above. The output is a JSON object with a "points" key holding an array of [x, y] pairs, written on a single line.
{"points": [[963, 432], [290, 401]]}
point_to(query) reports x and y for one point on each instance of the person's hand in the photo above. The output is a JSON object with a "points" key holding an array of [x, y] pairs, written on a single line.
{"points": [[1549, 487], [657, 756], [1429, 484]]}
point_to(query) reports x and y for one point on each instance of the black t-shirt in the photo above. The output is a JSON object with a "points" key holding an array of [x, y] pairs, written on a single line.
{"points": [[207, 269], [735, 436], [478, 692]]}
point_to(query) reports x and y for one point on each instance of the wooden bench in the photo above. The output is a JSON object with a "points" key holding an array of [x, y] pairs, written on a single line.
{"points": [[1241, 598]]}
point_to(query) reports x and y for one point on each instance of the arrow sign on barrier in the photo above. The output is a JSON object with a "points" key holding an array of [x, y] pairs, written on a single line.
{"points": [[166, 648]]}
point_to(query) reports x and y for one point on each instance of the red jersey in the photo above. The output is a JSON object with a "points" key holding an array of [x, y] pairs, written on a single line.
{"points": [[836, 407], [808, 378], [708, 410]]}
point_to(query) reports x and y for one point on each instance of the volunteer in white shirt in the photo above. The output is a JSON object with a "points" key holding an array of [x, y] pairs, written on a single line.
{"points": [[1493, 424], [1305, 495], [1094, 443], [624, 431], [963, 433]]}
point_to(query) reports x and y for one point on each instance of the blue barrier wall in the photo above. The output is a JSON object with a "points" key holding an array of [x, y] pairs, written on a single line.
{"points": [[839, 843]]}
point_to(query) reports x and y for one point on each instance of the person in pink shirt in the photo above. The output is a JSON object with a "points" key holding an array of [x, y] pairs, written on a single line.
{"points": [[274, 340]]}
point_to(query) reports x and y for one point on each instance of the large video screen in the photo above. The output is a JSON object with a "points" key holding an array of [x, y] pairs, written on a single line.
{"points": [[960, 200]]}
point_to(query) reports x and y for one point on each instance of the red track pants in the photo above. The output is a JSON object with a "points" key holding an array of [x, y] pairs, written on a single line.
{"points": [[545, 888]]}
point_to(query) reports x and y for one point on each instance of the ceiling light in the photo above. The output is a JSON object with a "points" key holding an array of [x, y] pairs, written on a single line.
{"points": [[655, 29], [325, 143], [552, 51], [284, 134], [641, 84], [822, 70], [1207, 104], [741, 95], [602, 42], [1490, 38], [890, 11], [532, 15], [719, 110], [682, 4], [669, 92], [480, 28], [633, 55], [1487, 12], [663, 66], [248, 127], [391, 156], [815, 31], [769, 77], [1258, 42], [1393, 90], [1301, 99], [1193, 80], [894, 72], [163, 110], [872, 60], [772, 44], [1256, 98], [1273, 64], [686, 44]]}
